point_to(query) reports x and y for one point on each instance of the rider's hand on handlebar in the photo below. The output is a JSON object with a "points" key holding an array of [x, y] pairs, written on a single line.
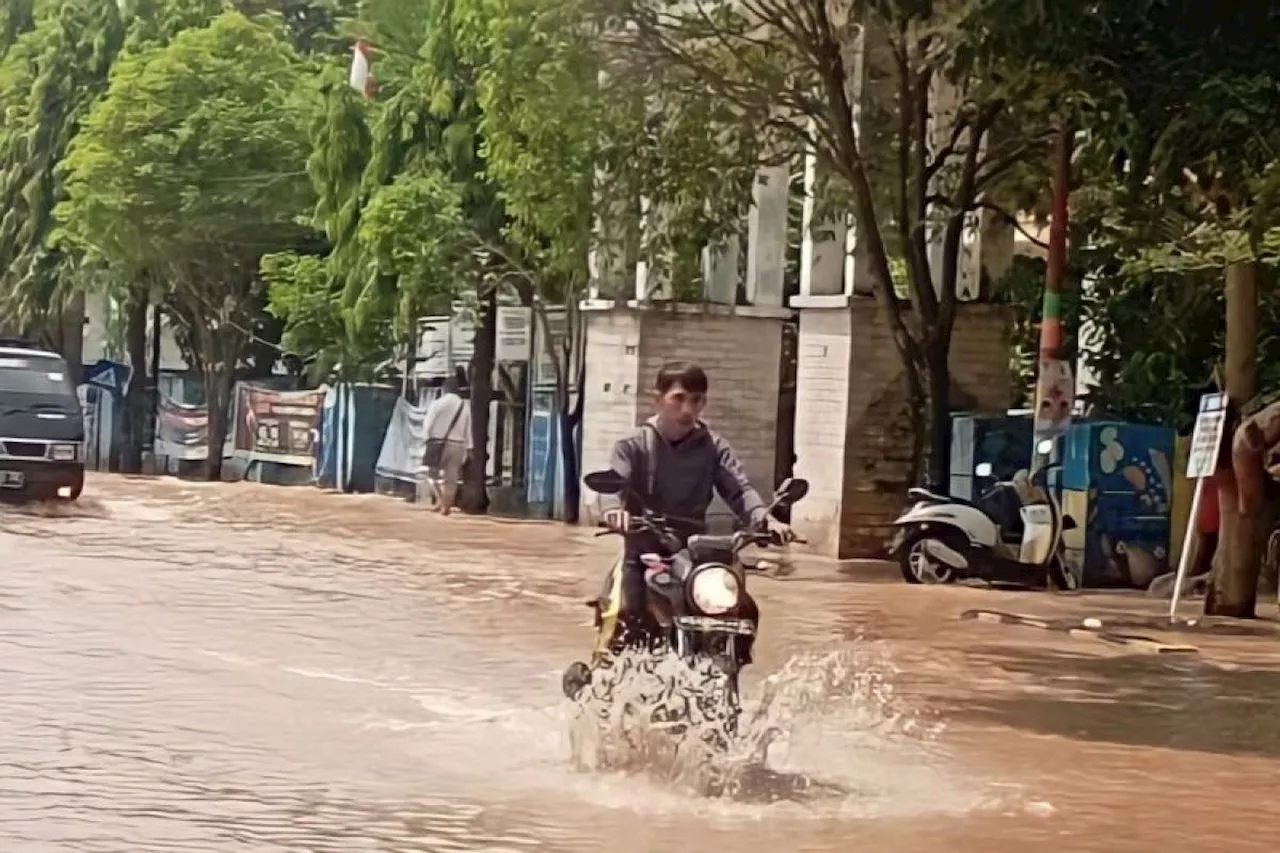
{"points": [[779, 531]]}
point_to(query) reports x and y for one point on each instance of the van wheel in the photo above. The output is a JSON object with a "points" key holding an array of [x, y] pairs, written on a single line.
{"points": [[918, 566]]}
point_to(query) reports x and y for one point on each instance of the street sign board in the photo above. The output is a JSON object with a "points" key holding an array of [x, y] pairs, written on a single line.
{"points": [[1206, 441]]}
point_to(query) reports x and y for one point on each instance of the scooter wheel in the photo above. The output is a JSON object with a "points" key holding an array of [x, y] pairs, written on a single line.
{"points": [[1060, 577], [917, 566]]}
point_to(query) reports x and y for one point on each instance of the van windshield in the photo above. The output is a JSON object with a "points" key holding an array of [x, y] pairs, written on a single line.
{"points": [[34, 374]]}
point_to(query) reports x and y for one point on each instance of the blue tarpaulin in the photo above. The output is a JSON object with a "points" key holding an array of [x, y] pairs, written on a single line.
{"points": [[353, 427]]}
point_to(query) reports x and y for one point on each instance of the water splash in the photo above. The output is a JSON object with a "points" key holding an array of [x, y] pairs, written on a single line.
{"points": [[86, 506], [626, 722]]}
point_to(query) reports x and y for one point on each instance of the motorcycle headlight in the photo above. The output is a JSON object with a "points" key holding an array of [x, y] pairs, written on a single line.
{"points": [[714, 590]]}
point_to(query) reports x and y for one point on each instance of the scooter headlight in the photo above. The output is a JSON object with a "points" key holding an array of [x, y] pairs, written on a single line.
{"points": [[714, 590]]}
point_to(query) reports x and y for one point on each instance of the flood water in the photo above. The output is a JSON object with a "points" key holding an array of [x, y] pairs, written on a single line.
{"points": [[223, 668]]}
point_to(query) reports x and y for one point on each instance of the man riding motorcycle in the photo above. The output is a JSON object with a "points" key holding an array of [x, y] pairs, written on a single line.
{"points": [[673, 464]]}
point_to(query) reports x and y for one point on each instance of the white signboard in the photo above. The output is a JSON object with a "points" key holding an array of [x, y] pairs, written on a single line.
{"points": [[514, 333], [1206, 441], [462, 335], [444, 342]]}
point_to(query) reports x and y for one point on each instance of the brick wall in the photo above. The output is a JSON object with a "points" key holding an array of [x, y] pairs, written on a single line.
{"points": [[741, 354], [857, 485]]}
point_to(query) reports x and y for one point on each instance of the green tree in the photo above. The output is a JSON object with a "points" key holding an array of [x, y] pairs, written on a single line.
{"points": [[914, 172], [572, 143], [188, 171], [404, 204], [1184, 122], [49, 77]]}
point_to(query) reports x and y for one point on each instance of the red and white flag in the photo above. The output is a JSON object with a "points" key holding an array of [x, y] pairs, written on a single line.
{"points": [[361, 77]]}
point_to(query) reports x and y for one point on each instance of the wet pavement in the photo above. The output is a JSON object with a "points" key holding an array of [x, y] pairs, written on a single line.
{"points": [[233, 667]]}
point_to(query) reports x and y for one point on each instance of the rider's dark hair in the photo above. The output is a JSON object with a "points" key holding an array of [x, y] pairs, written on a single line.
{"points": [[687, 375]]}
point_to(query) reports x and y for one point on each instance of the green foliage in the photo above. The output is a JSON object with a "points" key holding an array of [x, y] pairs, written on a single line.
{"points": [[194, 156], [190, 168], [301, 289], [574, 138], [411, 234], [400, 192], [49, 77]]}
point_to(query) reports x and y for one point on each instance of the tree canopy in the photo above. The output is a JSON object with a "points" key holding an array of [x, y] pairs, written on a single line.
{"points": [[187, 171]]}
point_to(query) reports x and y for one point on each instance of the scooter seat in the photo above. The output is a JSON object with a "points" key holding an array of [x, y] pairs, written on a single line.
{"points": [[926, 495]]}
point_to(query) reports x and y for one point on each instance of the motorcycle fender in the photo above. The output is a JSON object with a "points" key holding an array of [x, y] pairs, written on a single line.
{"points": [[944, 553], [968, 520], [611, 606]]}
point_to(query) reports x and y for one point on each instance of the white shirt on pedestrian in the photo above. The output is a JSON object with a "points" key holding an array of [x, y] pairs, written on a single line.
{"points": [[445, 410]]}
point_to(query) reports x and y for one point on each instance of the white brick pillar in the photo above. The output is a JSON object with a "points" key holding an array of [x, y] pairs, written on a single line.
{"points": [[824, 359], [720, 271], [834, 276], [767, 237]]}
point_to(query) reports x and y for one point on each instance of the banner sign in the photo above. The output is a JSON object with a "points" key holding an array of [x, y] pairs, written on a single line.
{"points": [[182, 432], [276, 426]]}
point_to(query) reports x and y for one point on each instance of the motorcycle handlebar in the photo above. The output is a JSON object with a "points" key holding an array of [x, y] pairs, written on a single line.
{"points": [[763, 538]]}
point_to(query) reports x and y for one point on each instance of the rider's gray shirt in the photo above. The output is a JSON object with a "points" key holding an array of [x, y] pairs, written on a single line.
{"points": [[684, 475]]}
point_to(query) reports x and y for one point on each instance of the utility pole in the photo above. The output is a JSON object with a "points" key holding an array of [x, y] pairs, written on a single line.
{"points": [[1055, 383]]}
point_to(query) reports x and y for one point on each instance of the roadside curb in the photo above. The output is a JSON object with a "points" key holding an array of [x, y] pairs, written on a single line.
{"points": [[1086, 629], [804, 567]]}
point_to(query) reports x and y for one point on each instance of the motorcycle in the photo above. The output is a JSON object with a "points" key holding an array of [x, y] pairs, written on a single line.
{"points": [[697, 599], [1012, 534]]}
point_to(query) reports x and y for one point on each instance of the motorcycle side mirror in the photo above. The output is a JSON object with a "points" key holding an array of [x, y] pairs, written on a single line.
{"points": [[984, 469], [791, 491], [607, 482], [1045, 447], [1068, 523]]}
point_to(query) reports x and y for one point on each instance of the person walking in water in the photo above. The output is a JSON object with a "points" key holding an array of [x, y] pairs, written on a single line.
{"points": [[448, 430]]}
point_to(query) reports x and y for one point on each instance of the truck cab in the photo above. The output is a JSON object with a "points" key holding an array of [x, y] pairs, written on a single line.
{"points": [[41, 426]]}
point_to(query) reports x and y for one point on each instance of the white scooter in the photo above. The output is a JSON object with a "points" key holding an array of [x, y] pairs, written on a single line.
{"points": [[942, 539]]}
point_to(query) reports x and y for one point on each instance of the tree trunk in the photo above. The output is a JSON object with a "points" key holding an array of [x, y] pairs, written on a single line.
{"points": [[475, 493], [1233, 587], [72, 334], [569, 420], [218, 376], [157, 338], [135, 400], [938, 382]]}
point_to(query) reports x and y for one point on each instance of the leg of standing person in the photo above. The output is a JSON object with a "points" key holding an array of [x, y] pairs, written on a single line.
{"points": [[452, 459]]}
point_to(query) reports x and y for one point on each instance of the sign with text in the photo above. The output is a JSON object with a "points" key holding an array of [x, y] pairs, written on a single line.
{"points": [[276, 426], [445, 342], [1206, 441], [514, 333]]}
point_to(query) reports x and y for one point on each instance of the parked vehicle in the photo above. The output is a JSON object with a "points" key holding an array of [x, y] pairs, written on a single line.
{"points": [[1012, 534], [41, 426]]}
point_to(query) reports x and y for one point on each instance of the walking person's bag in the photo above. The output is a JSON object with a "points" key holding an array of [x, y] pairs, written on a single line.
{"points": [[434, 453]]}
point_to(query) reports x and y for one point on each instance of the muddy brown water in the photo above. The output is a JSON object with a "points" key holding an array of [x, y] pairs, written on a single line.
{"points": [[224, 668]]}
